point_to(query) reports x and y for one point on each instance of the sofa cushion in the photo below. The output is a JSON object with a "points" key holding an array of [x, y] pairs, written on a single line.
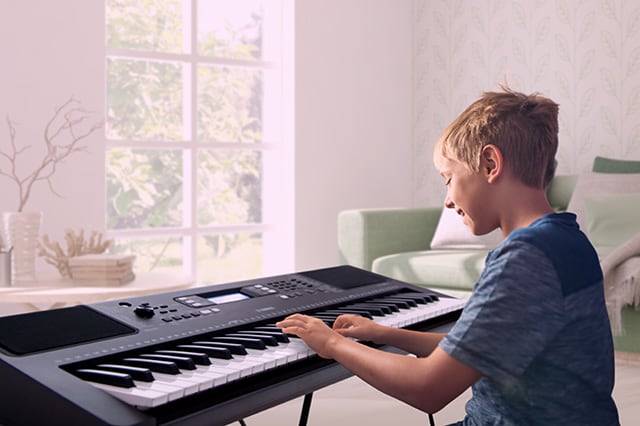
{"points": [[611, 220], [453, 269], [597, 185], [452, 233], [612, 165]]}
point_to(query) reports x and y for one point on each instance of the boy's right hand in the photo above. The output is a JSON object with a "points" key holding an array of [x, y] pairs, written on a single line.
{"points": [[358, 327]]}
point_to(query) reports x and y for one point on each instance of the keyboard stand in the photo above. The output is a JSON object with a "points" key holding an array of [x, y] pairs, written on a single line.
{"points": [[306, 407]]}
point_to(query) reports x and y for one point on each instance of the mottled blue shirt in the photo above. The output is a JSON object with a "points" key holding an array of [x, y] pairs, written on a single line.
{"points": [[536, 327]]}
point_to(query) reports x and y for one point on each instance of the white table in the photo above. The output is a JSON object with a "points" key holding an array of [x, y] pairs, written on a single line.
{"points": [[55, 292]]}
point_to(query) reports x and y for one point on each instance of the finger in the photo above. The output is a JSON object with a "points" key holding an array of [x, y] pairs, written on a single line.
{"points": [[299, 318], [344, 321]]}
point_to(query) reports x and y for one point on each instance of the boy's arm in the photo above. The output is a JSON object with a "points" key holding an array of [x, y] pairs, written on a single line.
{"points": [[427, 383]]}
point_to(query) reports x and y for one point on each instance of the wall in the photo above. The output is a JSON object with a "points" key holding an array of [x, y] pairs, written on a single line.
{"points": [[583, 54], [352, 110], [50, 52], [353, 116]]}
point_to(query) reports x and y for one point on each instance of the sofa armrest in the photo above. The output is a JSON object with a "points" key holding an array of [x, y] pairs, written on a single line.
{"points": [[366, 234]]}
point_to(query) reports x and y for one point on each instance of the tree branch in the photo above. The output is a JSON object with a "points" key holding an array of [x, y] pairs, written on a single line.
{"points": [[63, 137]]}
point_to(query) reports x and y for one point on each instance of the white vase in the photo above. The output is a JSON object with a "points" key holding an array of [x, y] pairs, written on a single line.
{"points": [[21, 230]]}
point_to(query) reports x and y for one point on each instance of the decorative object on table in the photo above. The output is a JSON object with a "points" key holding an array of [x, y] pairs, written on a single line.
{"points": [[20, 233], [76, 246], [102, 269], [5, 267], [63, 136]]}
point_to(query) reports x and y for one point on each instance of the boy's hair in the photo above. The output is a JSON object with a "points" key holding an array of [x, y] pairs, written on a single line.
{"points": [[523, 127]]}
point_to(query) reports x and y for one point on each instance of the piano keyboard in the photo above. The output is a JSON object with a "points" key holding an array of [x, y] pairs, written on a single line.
{"points": [[152, 378], [200, 356]]}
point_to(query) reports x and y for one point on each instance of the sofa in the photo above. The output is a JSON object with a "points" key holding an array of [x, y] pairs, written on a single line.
{"points": [[426, 247]]}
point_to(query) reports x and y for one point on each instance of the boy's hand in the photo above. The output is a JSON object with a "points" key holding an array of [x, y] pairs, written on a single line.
{"points": [[315, 333], [358, 327]]}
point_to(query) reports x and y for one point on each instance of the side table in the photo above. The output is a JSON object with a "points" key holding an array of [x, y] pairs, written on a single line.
{"points": [[56, 292]]}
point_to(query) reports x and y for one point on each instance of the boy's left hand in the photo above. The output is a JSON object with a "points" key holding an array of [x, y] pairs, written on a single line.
{"points": [[315, 333]]}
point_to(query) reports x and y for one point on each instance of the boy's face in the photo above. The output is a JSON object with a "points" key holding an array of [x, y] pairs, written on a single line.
{"points": [[467, 193]]}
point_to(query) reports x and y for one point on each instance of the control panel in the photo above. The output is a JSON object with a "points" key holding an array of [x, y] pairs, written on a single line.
{"points": [[284, 288]]}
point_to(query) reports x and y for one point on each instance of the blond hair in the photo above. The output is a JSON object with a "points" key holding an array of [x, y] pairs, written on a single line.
{"points": [[523, 127]]}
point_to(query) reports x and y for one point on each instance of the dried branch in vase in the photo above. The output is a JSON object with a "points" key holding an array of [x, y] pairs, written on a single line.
{"points": [[63, 136], [76, 246]]}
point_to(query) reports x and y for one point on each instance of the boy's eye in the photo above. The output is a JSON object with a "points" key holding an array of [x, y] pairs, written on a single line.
{"points": [[447, 182]]}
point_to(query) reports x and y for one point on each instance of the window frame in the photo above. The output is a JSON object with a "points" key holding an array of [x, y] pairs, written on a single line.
{"points": [[277, 225]]}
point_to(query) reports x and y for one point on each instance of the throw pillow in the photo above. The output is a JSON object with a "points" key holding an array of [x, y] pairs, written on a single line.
{"points": [[452, 233], [597, 185], [611, 165], [612, 219]]}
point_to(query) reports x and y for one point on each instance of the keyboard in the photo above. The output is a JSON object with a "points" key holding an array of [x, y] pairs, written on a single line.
{"points": [[190, 355]]}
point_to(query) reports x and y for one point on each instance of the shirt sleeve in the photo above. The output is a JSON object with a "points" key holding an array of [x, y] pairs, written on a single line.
{"points": [[515, 310]]}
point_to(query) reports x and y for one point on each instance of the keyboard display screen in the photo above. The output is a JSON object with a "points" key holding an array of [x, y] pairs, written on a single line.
{"points": [[226, 298]]}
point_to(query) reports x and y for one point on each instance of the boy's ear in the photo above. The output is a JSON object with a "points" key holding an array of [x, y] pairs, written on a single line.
{"points": [[491, 163]]}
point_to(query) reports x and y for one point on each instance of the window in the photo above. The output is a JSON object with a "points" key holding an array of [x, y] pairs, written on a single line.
{"points": [[199, 159]]}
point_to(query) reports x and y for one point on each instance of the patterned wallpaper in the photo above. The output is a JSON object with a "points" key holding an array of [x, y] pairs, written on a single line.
{"points": [[584, 54]]}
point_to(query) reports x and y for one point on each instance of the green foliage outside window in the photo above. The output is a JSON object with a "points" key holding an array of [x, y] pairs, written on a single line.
{"points": [[146, 103]]}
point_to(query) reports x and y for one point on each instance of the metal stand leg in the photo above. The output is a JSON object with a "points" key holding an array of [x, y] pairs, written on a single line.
{"points": [[306, 406]]}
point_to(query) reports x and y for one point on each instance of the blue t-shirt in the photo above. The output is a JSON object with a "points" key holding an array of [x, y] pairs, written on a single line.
{"points": [[536, 327]]}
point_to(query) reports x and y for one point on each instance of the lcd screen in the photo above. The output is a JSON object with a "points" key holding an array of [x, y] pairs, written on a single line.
{"points": [[226, 298]]}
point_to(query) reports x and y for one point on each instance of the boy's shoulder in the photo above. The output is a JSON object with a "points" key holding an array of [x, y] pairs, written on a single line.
{"points": [[559, 238]]}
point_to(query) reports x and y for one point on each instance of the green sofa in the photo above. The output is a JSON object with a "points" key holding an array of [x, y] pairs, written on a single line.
{"points": [[395, 242]]}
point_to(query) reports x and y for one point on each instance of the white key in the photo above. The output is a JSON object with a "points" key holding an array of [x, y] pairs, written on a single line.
{"points": [[218, 375], [301, 348], [265, 360], [178, 380], [143, 398], [239, 364]]}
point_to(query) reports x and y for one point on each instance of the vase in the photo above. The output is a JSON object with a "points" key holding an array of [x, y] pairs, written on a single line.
{"points": [[20, 231]]}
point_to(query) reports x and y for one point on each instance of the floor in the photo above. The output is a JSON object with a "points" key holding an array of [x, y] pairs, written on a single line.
{"points": [[353, 402]]}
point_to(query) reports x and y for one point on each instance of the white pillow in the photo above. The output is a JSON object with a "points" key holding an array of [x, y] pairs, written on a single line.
{"points": [[452, 233], [590, 185]]}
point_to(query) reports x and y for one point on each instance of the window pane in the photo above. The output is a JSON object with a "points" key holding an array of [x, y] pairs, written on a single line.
{"points": [[229, 187], [230, 29], [145, 24], [144, 188], [229, 257], [157, 255], [229, 104], [144, 100]]}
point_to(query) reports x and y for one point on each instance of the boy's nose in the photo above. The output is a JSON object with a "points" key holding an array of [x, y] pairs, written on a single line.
{"points": [[448, 203]]}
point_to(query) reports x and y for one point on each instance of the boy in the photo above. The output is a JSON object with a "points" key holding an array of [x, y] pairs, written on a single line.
{"points": [[533, 340]]}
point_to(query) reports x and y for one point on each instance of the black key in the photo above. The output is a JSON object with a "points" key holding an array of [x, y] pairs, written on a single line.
{"points": [[373, 310], [325, 316], [137, 373], [414, 297], [200, 358], [183, 362], [398, 303], [391, 306], [402, 303], [384, 308], [268, 340], [269, 328], [246, 341], [105, 377], [428, 297], [234, 348], [159, 366], [278, 335], [211, 351], [341, 311]]}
